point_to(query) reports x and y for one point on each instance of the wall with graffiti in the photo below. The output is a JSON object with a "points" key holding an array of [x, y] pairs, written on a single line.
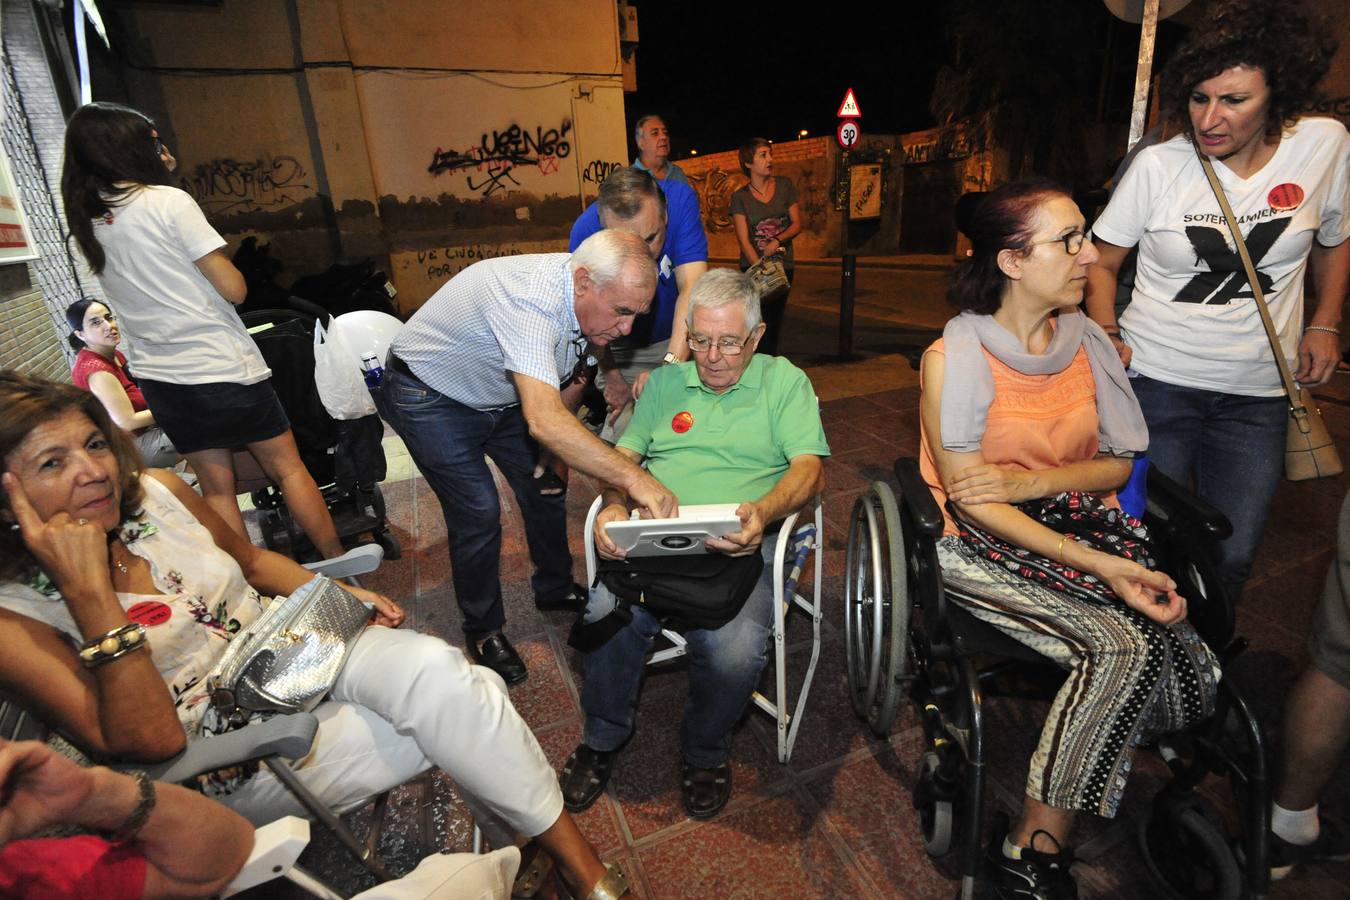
{"points": [[809, 163], [412, 137]]}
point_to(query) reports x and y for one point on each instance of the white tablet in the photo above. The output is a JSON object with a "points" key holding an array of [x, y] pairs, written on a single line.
{"points": [[681, 536]]}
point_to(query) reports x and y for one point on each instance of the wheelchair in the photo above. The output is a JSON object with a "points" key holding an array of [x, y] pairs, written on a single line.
{"points": [[904, 636], [794, 546]]}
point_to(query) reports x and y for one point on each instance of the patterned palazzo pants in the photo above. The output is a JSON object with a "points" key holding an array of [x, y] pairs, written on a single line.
{"points": [[1130, 679]]}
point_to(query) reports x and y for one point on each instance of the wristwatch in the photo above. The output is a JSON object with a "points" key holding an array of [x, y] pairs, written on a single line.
{"points": [[669, 358]]}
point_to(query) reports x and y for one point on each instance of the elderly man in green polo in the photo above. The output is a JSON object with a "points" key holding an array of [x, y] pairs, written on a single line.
{"points": [[728, 426]]}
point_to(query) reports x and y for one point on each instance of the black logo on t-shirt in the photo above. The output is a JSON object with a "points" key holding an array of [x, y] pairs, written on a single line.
{"points": [[1226, 281]]}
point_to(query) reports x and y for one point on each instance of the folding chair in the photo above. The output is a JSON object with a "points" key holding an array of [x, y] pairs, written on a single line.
{"points": [[794, 545]]}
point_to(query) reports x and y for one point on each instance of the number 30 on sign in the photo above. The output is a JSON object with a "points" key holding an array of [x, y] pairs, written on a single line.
{"points": [[849, 133]]}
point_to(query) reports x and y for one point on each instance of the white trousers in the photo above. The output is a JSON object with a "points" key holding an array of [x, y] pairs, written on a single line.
{"points": [[405, 702]]}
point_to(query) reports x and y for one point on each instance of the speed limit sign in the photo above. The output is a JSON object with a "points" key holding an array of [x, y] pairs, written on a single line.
{"points": [[849, 133]]}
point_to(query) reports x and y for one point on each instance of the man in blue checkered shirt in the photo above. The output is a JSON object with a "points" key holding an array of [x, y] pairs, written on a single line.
{"points": [[478, 371]]}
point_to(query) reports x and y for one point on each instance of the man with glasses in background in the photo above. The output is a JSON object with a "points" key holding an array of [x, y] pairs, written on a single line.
{"points": [[479, 371], [727, 427]]}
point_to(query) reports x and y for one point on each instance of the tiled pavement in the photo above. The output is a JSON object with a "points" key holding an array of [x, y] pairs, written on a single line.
{"points": [[837, 820]]}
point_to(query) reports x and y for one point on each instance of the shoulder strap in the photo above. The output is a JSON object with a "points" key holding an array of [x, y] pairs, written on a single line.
{"points": [[1290, 388]]}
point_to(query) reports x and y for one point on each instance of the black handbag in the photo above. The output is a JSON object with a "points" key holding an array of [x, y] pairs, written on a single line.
{"points": [[682, 592]]}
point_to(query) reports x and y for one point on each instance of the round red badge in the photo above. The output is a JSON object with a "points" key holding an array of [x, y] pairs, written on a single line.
{"points": [[682, 422], [149, 612], [1284, 197]]}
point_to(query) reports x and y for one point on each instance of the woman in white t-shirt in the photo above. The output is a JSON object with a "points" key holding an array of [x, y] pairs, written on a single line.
{"points": [[163, 267], [1192, 334]]}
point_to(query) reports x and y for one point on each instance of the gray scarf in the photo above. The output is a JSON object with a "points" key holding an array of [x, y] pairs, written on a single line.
{"points": [[968, 386]]}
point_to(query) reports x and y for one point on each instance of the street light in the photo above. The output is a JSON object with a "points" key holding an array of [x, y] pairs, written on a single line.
{"points": [[801, 134]]}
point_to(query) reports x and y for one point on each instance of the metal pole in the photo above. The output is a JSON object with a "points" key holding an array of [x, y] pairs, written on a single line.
{"points": [[848, 274], [847, 286], [1148, 32]]}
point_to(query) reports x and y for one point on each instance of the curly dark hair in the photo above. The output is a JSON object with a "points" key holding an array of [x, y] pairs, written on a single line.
{"points": [[26, 403], [1292, 50]]}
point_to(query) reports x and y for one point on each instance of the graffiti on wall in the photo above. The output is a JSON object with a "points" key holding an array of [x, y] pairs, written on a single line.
{"points": [[714, 189], [226, 185], [443, 262], [597, 170], [952, 143], [499, 152]]}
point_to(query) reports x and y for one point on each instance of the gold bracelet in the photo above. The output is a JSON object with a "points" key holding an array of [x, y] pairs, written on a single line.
{"points": [[1329, 329], [1060, 551]]}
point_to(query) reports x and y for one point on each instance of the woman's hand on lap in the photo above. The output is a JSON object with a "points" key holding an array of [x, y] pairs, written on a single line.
{"points": [[988, 483], [73, 552], [1152, 593], [387, 612]]}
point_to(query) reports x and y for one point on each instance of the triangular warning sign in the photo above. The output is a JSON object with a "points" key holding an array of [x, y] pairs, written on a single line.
{"points": [[849, 108]]}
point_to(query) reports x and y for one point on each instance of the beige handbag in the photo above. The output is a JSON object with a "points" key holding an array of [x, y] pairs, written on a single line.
{"points": [[1308, 449], [769, 276]]}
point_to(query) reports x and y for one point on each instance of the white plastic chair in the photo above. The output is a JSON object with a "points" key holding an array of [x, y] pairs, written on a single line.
{"points": [[794, 544]]}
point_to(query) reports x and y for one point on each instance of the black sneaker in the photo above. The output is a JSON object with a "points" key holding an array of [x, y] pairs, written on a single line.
{"points": [[1036, 876], [1332, 845]]}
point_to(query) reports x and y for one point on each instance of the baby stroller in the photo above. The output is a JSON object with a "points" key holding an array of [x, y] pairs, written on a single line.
{"points": [[904, 636], [345, 459]]}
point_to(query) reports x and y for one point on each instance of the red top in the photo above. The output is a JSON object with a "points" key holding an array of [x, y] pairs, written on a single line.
{"points": [[76, 867], [87, 362]]}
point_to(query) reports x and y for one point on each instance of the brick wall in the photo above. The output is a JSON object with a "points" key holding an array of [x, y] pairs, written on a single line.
{"points": [[33, 296]]}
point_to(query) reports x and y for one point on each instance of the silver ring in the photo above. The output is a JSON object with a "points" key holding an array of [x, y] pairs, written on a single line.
{"points": [[81, 521]]}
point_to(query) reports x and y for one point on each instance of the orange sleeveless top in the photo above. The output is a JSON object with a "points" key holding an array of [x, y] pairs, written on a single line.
{"points": [[1035, 422]]}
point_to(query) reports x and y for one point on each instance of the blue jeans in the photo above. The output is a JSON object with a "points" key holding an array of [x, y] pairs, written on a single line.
{"points": [[448, 441], [1230, 448], [724, 667]]}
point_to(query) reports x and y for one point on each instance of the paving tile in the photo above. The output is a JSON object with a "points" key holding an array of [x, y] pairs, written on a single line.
{"points": [[646, 776], [845, 409], [776, 848], [868, 804], [543, 699], [598, 824], [829, 727]]}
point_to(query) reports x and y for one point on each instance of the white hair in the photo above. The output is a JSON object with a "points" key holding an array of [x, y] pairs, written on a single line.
{"points": [[611, 255], [720, 287]]}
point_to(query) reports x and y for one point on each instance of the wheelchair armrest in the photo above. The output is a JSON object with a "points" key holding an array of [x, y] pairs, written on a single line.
{"points": [[288, 736], [356, 561], [1176, 502], [914, 494]]}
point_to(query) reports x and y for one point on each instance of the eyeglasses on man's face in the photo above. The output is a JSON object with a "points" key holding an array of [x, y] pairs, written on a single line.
{"points": [[725, 346], [1073, 241]]}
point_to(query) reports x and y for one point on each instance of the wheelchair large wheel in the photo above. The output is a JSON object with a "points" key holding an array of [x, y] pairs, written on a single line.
{"points": [[876, 608], [1186, 850]]}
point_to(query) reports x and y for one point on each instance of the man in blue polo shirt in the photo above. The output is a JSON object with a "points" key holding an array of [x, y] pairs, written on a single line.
{"points": [[653, 145], [729, 427], [666, 216]]}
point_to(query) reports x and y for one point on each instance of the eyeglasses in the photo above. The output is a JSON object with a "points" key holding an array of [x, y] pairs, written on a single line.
{"points": [[726, 346], [1073, 241]]}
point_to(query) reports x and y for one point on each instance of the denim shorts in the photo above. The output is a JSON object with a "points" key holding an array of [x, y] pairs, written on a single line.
{"points": [[219, 415]]}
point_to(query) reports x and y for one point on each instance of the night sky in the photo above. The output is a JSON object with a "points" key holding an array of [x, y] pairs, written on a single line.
{"points": [[723, 72]]}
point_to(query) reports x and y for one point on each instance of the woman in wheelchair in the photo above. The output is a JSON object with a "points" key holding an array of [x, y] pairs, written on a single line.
{"points": [[99, 554], [1028, 427]]}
